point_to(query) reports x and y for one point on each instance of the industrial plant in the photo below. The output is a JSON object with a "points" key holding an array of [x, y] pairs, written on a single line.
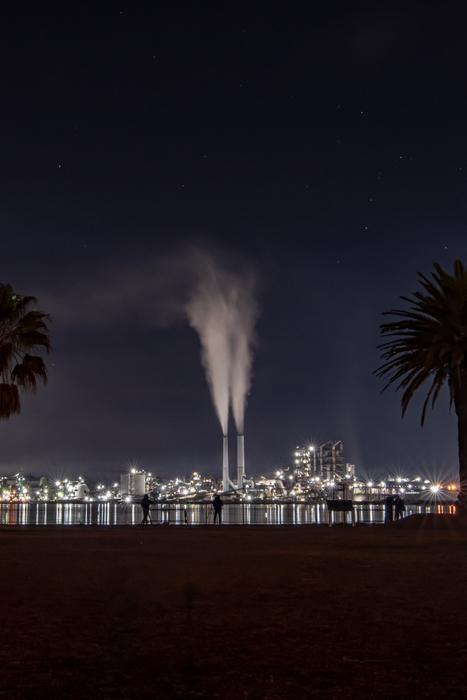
{"points": [[315, 473]]}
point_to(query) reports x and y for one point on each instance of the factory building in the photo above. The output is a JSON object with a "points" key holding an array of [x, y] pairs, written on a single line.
{"points": [[324, 462], [133, 483]]}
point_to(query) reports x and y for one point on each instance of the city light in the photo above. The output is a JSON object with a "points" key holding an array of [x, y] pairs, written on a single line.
{"points": [[312, 475]]}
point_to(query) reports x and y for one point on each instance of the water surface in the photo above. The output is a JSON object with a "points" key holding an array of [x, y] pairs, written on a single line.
{"points": [[193, 514]]}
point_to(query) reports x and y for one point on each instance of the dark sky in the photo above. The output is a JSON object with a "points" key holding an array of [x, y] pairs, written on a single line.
{"points": [[321, 143]]}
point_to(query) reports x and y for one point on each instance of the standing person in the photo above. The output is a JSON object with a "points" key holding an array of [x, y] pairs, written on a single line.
{"points": [[388, 507], [217, 505], [145, 503], [400, 507]]}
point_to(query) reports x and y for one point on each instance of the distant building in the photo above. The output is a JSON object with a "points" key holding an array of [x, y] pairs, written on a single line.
{"points": [[133, 483], [324, 462]]}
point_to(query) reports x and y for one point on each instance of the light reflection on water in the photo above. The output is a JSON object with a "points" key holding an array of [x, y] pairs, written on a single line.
{"points": [[193, 514]]}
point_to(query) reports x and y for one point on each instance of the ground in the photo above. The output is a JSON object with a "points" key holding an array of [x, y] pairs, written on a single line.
{"points": [[234, 612]]}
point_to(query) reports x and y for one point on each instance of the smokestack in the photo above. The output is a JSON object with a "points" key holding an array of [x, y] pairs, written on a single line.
{"points": [[225, 465], [240, 460]]}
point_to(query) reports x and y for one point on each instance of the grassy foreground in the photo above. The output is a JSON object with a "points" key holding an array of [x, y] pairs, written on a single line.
{"points": [[235, 612]]}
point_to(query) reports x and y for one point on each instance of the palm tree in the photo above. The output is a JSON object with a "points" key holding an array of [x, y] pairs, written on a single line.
{"points": [[429, 342], [22, 330]]}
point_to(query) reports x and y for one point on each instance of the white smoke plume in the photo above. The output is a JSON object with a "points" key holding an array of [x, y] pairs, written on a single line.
{"points": [[223, 311], [221, 307]]}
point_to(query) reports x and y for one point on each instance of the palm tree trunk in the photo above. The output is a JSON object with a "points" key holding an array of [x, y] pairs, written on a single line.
{"points": [[460, 402]]}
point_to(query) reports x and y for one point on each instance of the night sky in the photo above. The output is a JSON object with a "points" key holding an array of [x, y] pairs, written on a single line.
{"points": [[321, 144]]}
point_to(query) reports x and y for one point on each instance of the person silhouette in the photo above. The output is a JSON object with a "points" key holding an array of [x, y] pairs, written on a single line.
{"points": [[217, 505], [399, 507], [389, 508], [145, 503]]}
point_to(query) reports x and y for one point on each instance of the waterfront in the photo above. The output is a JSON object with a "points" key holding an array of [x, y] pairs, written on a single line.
{"points": [[196, 513]]}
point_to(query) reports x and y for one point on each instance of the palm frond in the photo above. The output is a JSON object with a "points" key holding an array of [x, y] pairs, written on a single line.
{"points": [[22, 331], [428, 340], [9, 401], [29, 371]]}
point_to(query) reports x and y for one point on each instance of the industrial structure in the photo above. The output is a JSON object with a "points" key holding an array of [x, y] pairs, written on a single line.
{"points": [[240, 461], [225, 464], [315, 473], [227, 484], [133, 483], [325, 461]]}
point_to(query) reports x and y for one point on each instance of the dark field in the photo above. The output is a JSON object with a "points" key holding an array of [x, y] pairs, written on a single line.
{"points": [[233, 613]]}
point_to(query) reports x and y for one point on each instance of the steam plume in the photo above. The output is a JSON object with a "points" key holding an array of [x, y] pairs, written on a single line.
{"points": [[223, 311]]}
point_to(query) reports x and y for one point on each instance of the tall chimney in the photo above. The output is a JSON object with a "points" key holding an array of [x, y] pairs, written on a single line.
{"points": [[225, 464], [240, 460]]}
